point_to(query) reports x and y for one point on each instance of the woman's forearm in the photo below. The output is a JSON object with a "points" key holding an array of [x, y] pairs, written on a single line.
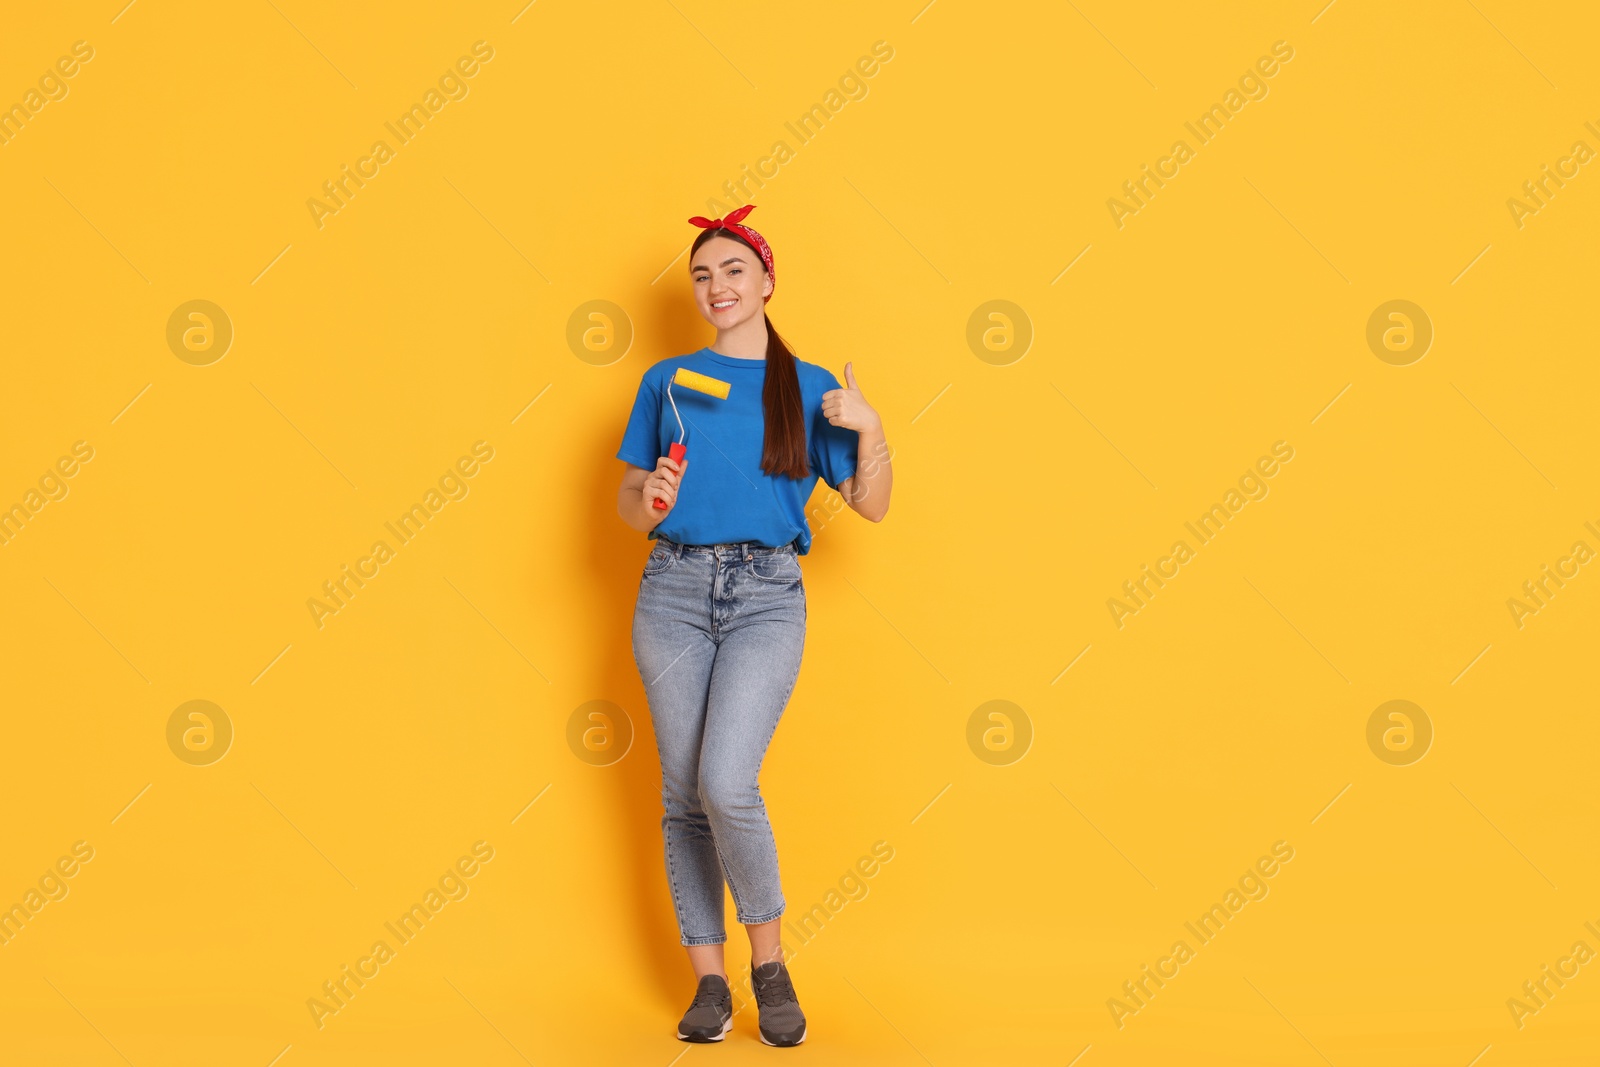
{"points": [[874, 477]]}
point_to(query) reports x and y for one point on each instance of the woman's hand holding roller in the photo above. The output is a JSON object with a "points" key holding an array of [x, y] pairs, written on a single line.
{"points": [[662, 483]]}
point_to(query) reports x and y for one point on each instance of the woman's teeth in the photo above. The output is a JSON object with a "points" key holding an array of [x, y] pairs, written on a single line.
{"points": [[724, 304]]}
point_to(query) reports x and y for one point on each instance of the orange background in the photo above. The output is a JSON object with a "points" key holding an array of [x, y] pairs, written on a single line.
{"points": [[1134, 376]]}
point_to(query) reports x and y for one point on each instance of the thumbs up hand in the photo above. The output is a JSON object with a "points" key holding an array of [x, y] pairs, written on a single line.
{"points": [[848, 408]]}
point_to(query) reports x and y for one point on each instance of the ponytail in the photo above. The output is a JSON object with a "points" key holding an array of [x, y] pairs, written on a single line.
{"points": [[783, 449]]}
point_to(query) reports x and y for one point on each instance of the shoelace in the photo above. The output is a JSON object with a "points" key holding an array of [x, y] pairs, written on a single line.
{"points": [[709, 994], [770, 992]]}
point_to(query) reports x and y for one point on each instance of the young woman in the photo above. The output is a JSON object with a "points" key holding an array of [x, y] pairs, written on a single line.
{"points": [[721, 616]]}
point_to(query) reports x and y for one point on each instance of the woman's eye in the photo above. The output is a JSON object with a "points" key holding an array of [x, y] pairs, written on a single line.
{"points": [[735, 270]]}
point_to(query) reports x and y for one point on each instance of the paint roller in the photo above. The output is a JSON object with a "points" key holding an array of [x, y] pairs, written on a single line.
{"points": [[701, 384]]}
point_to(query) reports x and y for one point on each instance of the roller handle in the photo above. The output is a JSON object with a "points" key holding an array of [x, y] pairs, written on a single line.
{"points": [[675, 452]]}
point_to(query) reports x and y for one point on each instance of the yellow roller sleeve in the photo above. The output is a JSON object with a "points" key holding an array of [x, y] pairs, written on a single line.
{"points": [[689, 379]]}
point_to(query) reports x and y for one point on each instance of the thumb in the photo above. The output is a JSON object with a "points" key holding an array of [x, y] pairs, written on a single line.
{"points": [[849, 376]]}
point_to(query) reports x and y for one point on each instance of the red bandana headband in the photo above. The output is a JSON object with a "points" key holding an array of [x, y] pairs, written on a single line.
{"points": [[731, 221]]}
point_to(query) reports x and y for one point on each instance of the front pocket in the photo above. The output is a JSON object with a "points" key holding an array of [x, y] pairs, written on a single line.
{"points": [[660, 559], [778, 567]]}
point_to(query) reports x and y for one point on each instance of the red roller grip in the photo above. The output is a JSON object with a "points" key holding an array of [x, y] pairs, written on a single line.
{"points": [[675, 452]]}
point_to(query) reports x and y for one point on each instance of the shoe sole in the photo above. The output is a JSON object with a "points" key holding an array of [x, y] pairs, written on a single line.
{"points": [[785, 1044], [707, 1040]]}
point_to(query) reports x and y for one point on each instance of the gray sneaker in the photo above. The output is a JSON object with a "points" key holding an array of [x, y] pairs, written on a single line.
{"points": [[710, 1017], [782, 1022]]}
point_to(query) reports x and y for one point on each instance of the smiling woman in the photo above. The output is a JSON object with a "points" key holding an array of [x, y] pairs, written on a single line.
{"points": [[720, 620]]}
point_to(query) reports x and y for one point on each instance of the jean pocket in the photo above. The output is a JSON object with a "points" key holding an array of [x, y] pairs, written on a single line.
{"points": [[661, 557], [781, 568]]}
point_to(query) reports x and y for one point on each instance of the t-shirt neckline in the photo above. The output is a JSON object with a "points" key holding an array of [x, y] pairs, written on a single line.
{"points": [[732, 361]]}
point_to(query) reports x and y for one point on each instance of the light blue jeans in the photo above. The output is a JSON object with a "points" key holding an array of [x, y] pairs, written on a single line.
{"points": [[717, 635]]}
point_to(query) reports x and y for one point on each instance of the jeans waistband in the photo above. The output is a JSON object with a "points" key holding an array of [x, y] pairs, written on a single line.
{"points": [[730, 549]]}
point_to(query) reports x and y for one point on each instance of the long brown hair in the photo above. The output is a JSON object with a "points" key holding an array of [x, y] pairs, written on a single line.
{"points": [[783, 450]]}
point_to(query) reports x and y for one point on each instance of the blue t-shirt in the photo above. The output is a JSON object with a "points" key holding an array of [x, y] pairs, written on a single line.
{"points": [[725, 496]]}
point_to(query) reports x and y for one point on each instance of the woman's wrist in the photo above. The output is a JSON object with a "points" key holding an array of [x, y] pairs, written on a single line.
{"points": [[871, 441], [637, 512]]}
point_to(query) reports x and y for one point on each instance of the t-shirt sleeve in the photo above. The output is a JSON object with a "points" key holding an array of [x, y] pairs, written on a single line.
{"points": [[641, 440], [832, 453]]}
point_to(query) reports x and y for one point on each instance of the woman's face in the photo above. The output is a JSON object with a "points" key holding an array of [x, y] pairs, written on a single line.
{"points": [[729, 282]]}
